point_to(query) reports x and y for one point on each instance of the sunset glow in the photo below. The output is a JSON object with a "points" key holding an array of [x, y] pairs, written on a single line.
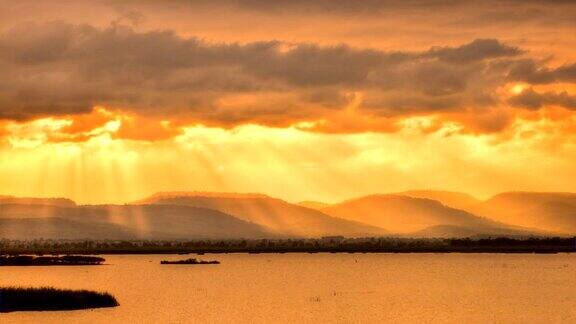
{"points": [[287, 161], [131, 99]]}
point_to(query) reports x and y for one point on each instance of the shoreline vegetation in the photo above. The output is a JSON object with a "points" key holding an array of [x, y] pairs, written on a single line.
{"points": [[190, 261], [67, 260], [51, 299], [334, 244]]}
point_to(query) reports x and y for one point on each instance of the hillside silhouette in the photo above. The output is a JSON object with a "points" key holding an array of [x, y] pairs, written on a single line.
{"points": [[277, 215], [178, 194], [180, 222], [121, 222], [60, 228], [458, 200], [404, 214], [549, 211], [313, 204], [213, 215], [57, 202]]}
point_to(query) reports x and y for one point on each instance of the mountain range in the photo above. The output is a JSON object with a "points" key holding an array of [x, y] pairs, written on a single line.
{"points": [[213, 215]]}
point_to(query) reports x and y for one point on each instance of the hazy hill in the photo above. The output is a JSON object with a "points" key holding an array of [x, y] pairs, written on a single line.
{"points": [[60, 202], [313, 204], [281, 217], [182, 222], [59, 228], [78, 213], [402, 214], [16, 210], [548, 211], [124, 221], [188, 215], [458, 200], [177, 194]]}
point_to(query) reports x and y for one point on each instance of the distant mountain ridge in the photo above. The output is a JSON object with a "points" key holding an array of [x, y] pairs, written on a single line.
{"points": [[182, 222], [551, 211], [313, 204], [60, 202], [177, 194], [124, 222], [452, 199], [404, 214], [203, 215], [279, 216], [60, 228]]}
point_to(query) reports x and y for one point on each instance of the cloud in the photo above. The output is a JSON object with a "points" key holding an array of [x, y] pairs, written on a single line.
{"points": [[360, 7], [477, 50], [61, 69], [532, 100], [530, 71]]}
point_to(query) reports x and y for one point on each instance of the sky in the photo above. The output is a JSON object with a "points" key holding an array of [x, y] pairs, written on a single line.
{"points": [[110, 101]]}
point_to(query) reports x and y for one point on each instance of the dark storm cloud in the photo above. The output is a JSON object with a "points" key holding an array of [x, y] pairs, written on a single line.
{"points": [[532, 100], [369, 7], [534, 73], [59, 68], [286, 6], [338, 6], [478, 50], [446, 12]]}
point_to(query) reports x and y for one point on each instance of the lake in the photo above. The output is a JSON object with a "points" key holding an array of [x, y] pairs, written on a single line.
{"points": [[312, 288]]}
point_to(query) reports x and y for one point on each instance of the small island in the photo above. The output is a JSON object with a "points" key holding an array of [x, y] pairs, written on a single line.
{"points": [[67, 260], [51, 299], [190, 261]]}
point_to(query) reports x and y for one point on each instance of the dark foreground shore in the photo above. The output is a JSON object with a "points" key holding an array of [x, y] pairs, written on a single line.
{"points": [[51, 299], [321, 245]]}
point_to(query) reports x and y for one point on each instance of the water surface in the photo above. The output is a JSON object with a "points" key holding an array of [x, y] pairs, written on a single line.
{"points": [[335, 288]]}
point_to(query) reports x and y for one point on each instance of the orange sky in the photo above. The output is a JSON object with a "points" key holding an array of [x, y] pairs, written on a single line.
{"points": [[109, 101]]}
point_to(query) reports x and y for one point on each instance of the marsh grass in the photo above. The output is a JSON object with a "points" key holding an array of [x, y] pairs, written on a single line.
{"points": [[29, 260], [52, 299]]}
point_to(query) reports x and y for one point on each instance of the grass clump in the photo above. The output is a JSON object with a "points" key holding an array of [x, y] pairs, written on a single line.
{"points": [[29, 260], [52, 299]]}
